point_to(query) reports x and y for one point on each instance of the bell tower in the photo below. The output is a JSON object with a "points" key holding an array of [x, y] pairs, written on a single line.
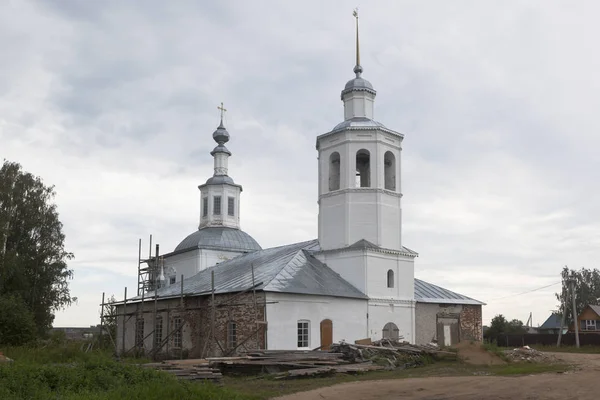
{"points": [[359, 173]]}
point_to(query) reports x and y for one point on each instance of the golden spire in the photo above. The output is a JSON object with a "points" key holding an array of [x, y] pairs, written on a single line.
{"points": [[357, 68]]}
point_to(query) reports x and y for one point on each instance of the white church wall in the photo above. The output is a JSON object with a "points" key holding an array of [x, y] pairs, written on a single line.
{"points": [[400, 313], [349, 264], [347, 315], [193, 261], [378, 265]]}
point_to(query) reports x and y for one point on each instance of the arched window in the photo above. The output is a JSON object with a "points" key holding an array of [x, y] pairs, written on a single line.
{"points": [[231, 335], [363, 168], [334, 171], [390, 278], [389, 163], [391, 331]]}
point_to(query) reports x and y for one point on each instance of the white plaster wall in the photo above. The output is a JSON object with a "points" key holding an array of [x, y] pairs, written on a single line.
{"points": [[193, 261], [353, 213], [348, 317], [378, 265], [225, 191], [350, 265], [400, 313]]}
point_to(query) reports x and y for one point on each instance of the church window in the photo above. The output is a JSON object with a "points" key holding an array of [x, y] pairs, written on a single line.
{"points": [[334, 171], [172, 280], [232, 334], [363, 168], [158, 332], [303, 334], [231, 206], [178, 335], [217, 205], [390, 278], [389, 161], [205, 206], [139, 332]]}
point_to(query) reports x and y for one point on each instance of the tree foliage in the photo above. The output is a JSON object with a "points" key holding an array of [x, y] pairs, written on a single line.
{"points": [[500, 325], [33, 259], [17, 326], [587, 290]]}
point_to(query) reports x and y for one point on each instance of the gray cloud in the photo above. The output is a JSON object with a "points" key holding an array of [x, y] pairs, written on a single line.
{"points": [[115, 105]]}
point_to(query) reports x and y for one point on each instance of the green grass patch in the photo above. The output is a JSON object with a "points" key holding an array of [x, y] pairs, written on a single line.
{"points": [[64, 372], [267, 387], [495, 349], [568, 349]]}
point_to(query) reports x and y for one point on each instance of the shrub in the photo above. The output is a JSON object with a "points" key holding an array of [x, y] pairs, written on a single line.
{"points": [[17, 324]]}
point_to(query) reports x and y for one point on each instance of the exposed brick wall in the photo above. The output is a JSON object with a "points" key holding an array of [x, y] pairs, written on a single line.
{"points": [[470, 323], [196, 317]]}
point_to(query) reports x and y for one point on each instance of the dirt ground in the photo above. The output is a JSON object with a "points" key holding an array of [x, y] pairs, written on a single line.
{"points": [[579, 384]]}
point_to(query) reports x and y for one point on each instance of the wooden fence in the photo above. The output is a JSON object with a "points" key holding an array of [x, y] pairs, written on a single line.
{"points": [[548, 339]]}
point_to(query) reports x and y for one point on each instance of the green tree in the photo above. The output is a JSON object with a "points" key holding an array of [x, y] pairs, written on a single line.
{"points": [[17, 326], [33, 260], [500, 325], [587, 290]]}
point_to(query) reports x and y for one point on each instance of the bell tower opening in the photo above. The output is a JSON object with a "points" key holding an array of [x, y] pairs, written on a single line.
{"points": [[363, 168]]}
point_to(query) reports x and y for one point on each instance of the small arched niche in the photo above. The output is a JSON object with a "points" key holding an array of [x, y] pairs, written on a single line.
{"points": [[389, 167], [334, 171]]}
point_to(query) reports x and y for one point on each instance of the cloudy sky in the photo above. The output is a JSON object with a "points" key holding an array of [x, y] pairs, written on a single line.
{"points": [[114, 103]]}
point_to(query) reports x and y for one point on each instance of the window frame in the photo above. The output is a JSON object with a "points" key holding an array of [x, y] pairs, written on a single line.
{"points": [[390, 278], [232, 335], [139, 332], [204, 207], [217, 200], [231, 206], [158, 331], [303, 334], [178, 335]]}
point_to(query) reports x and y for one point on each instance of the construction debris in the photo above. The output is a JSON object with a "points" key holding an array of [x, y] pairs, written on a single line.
{"points": [[390, 353], [528, 354], [188, 369], [4, 359]]}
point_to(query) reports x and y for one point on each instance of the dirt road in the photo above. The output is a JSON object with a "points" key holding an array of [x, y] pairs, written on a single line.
{"points": [[579, 385]]}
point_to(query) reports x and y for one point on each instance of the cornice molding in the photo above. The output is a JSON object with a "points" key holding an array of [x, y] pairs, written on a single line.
{"points": [[380, 250], [360, 190], [381, 300]]}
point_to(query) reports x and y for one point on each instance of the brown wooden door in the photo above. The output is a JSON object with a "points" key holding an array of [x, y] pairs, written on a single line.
{"points": [[326, 334]]}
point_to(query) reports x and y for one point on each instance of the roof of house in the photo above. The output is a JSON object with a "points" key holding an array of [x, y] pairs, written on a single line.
{"points": [[291, 269], [286, 269], [553, 322], [595, 308], [426, 292]]}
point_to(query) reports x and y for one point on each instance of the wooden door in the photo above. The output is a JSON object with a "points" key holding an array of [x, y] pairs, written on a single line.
{"points": [[326, 334]]}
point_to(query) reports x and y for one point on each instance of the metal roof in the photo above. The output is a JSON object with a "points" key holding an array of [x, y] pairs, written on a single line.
{"points": [[429, 293], [285, 269], [218, 238], [553, 322]]}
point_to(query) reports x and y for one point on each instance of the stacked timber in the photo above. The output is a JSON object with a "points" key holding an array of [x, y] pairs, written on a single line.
{"points": [[188, 370], [284, 364], [392, 353]]}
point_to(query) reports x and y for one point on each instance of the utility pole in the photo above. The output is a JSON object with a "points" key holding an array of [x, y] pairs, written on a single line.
{"points": [[575, 321]]}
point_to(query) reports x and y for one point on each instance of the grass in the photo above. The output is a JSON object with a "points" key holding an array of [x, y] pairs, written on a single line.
{"points": [[495, 349], [568, 349], [65, 372], [267, 387]]}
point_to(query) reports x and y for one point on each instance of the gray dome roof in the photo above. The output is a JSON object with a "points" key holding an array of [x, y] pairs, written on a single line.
{"points": [[221, 135], [358, 83], [219, 179], [358, 122], [221, 238]]}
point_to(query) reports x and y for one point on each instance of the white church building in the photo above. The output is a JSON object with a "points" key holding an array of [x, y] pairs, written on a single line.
{"points": [[355, 281]]}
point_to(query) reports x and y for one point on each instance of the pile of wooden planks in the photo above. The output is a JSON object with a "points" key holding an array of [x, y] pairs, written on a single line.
{"points": [[391, 352], [188, 369]]}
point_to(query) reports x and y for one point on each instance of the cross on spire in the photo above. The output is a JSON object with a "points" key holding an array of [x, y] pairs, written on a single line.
{"points": [[222, 109]]}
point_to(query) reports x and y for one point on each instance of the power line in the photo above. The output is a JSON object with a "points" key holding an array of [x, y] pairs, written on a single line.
{"points": [[528, 291]]}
